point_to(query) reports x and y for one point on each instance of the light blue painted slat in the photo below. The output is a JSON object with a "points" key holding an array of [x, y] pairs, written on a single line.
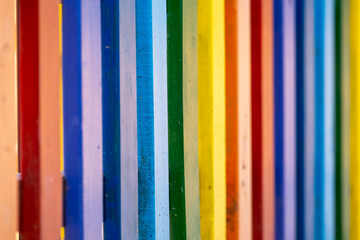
{"points": [[82, 119], [289, 120], [152, 119], [324, 120], [309, 102], [329, 124], [160, 122], [128, 126]]}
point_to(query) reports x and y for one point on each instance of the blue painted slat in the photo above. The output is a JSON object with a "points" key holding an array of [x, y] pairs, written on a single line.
{"points": [[82, 119], [152, 119], [285, 133], [111, 117], [324, 120]]}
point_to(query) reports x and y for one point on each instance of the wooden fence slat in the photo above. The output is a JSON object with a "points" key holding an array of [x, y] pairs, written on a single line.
{"points": [[190, 116], [111, 118], [128, 121], [354, 9], [39, 60], [238, 117], [82, 119], [152, 119], [8, 121], [262, 114], [267, 88], [345, 95], [175, 119], [211, 102], [285, 142], [324, 120]]}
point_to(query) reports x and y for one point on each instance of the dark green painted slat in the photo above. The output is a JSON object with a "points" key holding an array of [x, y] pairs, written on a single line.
{"points": [[175, 120], [338, 152]]}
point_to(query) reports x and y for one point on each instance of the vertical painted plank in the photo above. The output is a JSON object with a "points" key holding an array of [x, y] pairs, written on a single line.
{"points": [[324, 120], [39, 61], [244, 117], [175, 119], [82, 119], [111, 118], [300, 120], [262, 119], [190, 116], [8, 121], [309, 125], [267, 88], [238, 161], [128, 122], [211, 102], [342, 123], [285, 142], [345, 124], [354, 118], [152, 119]]}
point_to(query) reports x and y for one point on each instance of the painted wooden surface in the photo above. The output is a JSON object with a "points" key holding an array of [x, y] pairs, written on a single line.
{"points": [[324, 121], [300, 120], [267, 51], [211, 102], [342, 104], [39, 61], [175, 119], [82, 121], [244, 117], [128, 123], [345, 118], [238, 152], [309, 125], [152, 119], [262, 111], [8, 121], [190, 117], [285, 142], [354, 8]]}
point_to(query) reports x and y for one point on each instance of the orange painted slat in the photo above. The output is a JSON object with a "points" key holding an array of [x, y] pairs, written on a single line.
{"points": [[238, 140], [267, 89], [8, 121], [39, 60]]}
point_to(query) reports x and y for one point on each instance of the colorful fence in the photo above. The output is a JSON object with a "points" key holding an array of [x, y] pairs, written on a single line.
{"points": [[179, 119]]}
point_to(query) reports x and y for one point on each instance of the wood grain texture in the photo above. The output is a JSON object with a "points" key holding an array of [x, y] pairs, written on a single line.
{"points": [[8, 121], [238, 151], [324, 121], [128, 122], [82, 119], [354, 8], [211, 103], [285, 141], [39, 61], [152, 119], [190, 117]]}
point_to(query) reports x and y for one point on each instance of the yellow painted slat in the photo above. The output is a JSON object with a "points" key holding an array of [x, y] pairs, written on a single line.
{"points": [[211, 104], [354, 119], [8, 121]]}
